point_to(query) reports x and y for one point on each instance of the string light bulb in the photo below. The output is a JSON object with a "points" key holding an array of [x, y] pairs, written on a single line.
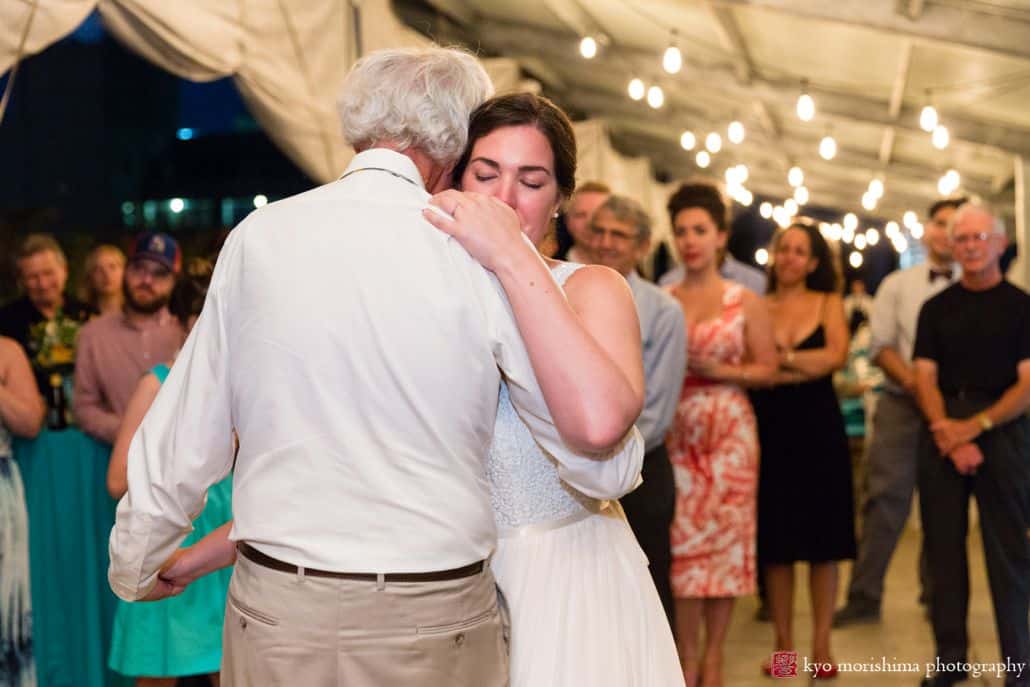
{"points": [[688, 140], [795, 177], [672, 60], [713, 142], [928, 119], [805, 106], [588, 47], [636, 89], [703, 159], [876, 188], [735, 132], [828, 147], [941, 138], [655, 97]]}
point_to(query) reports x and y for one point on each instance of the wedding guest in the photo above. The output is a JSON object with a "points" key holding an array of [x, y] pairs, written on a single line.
{"points": [[46, 322], [621, 237], [972, 381], [805, 499], [892, 458], [102, 279], [21, 414], [115, 350], [579, 209], [713, 442]]}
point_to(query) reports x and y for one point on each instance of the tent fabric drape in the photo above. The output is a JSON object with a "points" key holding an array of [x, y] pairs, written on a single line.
{"points": [[288, 59], [633, 177]]}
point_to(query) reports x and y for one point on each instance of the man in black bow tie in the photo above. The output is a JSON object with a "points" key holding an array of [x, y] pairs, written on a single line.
{"points": [[890, 477]]}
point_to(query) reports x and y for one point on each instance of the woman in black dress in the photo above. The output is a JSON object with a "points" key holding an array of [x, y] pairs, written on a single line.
{"points": [[805, 508]]}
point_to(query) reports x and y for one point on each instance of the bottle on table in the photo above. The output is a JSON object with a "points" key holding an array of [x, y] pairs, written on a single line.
{"points": [[57, 404]]}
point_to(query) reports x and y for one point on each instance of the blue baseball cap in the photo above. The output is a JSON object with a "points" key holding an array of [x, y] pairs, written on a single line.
{"points": [[158, 247]]}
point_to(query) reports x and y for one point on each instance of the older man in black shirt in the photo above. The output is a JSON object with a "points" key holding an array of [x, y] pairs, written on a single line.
{"points": [[972, 365]]}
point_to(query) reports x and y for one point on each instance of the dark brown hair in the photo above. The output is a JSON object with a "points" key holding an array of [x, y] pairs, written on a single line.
{"points": [[826, 277], [953, 203], [190, 290], [526, 109], [704, 194]]}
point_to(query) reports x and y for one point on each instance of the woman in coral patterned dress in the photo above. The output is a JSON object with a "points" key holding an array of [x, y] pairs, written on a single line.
{"points": [[713, 442]]}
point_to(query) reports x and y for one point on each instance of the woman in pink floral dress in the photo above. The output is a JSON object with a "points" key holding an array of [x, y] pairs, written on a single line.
{"points": [[713, 442]]}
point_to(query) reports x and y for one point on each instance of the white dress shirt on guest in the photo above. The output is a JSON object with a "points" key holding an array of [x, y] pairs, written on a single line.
{"points": [[895, 311], [355, 349]]}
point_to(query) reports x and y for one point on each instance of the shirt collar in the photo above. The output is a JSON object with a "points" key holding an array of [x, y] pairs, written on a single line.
{"points": [[391, 160]]}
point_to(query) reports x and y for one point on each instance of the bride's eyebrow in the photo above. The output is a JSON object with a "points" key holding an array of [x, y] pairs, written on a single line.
{"points": [[488, 162], [522, 170]]}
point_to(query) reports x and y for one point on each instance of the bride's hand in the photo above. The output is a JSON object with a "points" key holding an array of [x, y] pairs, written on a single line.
{"points": [[487, 228]]}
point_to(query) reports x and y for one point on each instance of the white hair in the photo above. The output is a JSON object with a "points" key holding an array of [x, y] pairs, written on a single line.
{"points": [[977, 207], [413, 98]]}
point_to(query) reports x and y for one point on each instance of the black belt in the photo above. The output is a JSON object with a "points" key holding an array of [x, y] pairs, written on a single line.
{"points": [[267, 561]]}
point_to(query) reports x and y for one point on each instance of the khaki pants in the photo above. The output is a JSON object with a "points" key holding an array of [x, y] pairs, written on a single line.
{"points": [[284, 629]]}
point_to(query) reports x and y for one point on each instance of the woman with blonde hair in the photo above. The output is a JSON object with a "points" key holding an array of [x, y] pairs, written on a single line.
{"points": [[102, 278]]}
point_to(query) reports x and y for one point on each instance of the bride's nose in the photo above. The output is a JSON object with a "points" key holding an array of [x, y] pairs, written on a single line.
{"points": [[507, 193]]}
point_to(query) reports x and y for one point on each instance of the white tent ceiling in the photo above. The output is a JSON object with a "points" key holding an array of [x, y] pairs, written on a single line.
{"points": [[869, 65]]}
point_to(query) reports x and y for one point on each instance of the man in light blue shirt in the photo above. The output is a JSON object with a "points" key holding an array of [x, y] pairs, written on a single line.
{"points": [[747, 276], [620, 237]]}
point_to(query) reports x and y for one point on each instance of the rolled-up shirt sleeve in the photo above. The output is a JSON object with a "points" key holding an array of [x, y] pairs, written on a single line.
{"points": [[183, 446], [607, 476], [883, 321]]}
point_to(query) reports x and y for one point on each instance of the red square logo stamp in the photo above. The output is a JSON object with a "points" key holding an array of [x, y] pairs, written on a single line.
{"points": [[784, 664]]}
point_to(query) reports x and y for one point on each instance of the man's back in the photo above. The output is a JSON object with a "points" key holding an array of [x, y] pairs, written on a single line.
{"points": [[379, 392]]}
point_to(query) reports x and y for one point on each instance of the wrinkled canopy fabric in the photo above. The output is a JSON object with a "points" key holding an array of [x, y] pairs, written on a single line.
{"points": [[288, 58]]}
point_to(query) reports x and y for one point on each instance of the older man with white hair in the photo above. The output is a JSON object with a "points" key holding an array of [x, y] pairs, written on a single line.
{"points": [[364, 410], [972, 379]]}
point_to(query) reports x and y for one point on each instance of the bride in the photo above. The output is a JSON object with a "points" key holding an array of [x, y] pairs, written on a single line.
{"points": [[584, 610]]}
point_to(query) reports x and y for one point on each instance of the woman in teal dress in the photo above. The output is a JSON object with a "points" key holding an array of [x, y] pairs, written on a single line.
{"points": [[159, 642]]}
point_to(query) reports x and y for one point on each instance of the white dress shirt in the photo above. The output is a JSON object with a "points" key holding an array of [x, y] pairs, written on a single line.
{"points": [[895, 311], [355, 349]]}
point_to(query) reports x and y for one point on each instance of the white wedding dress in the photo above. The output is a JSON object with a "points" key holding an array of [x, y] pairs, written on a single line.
{"points": [[584, 610]]}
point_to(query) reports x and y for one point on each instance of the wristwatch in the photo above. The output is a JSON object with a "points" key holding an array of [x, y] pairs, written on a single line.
{"points": [[985, 422]]}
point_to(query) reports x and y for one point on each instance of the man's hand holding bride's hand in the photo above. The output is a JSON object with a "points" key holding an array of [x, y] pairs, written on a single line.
{"points": [[487, 228]]}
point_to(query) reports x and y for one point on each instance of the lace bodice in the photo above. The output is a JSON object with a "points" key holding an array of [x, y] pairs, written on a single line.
{"points": [[524, 485]]}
